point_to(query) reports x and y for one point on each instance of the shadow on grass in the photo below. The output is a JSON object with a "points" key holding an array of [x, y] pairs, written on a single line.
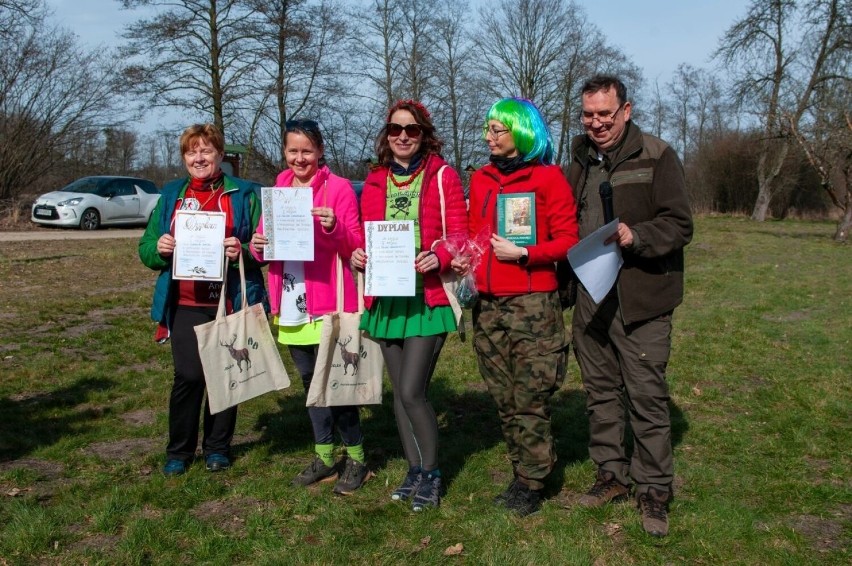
{"points": [[571, 432], [42, 419], [467, 424]]}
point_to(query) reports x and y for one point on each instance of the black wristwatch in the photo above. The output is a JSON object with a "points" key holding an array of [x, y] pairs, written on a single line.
{"points": [[525, 258]]}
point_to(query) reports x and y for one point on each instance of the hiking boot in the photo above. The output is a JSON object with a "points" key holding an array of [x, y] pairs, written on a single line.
{"points": [[409, 485], [217, 462], [652, 506], [316, 472], [428, 493], [524, 501], [504, 497], [606, 490], [174, 467], [355, 474]]}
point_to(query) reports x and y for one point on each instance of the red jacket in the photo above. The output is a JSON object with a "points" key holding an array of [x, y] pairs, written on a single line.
{"points": [[556, 227], [374, 205]]}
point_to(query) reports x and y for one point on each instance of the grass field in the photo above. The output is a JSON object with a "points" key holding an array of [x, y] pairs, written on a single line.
{"points": [[761, 406]]}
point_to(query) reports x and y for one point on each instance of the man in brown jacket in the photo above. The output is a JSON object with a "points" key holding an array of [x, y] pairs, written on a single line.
{"points": [[622, 344]]}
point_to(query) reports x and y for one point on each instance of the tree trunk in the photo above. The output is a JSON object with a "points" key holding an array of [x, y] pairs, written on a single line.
{"points": [[768, 169], [761, 205], [842, 233]]}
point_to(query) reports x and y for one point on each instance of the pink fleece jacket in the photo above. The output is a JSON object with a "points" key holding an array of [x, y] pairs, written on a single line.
{"points": [[321, 274]]}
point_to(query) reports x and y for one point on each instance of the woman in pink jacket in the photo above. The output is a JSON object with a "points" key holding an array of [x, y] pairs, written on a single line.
{"points": [[301, 292], [412, 330]]}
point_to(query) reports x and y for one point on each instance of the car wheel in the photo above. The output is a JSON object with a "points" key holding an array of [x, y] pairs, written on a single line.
{"points": [[90, 220]]}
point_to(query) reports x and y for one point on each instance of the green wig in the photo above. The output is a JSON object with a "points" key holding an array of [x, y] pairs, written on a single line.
{"points": [[527, 127]]}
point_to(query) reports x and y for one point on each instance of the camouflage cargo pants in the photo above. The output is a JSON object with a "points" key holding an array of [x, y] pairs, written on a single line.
{"points": [[521, 349]]}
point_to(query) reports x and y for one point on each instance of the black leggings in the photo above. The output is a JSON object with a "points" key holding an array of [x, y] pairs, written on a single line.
{"points": [[410, 364], [188, 393], [324, 419]]}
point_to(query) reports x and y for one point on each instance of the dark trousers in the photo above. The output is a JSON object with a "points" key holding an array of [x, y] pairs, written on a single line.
{"points": [[324, 419], [624, 374], [188, 393], [410, 364], [521, 349]]}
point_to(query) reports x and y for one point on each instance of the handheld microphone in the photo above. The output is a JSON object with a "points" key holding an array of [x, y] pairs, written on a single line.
{"points": [[605, 191]]}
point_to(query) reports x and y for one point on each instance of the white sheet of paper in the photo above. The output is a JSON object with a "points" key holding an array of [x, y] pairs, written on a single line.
{"points": [[596, 264], [199, 245], [390, 258], [288, 223]]}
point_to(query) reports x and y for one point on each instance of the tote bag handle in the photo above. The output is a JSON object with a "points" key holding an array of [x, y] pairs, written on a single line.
{"points": [[222, 302]]}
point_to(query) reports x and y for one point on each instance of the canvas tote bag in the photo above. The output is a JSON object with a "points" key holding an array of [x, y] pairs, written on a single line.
{"points": [[449, 279], [238, 354], [349, 364]]}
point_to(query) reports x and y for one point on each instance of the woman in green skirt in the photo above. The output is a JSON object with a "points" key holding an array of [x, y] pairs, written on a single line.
{"points": [[407, 185]]}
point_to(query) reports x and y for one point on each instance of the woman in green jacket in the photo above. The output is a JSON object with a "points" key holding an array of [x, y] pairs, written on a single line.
{"points": [[181, 305]]}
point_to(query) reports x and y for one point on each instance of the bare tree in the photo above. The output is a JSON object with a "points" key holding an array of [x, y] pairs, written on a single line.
{"points": [[297, 46], [191, 55], [120, 151], [779, 76], [826, 140], [459, 99], [377, 47], [521, 45], [52, 95], [683, 90]]}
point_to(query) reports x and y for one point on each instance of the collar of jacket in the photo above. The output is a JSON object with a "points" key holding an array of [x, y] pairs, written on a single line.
{"points": [[524, 174], [319, 177], [379, 175], [631, 145]]}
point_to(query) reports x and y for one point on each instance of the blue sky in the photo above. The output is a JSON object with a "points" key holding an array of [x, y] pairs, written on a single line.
{"points": [[657, 34]]}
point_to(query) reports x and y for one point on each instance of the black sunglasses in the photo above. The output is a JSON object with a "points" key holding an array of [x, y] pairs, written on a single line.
{"points": [[413, 130], [305, 125]]}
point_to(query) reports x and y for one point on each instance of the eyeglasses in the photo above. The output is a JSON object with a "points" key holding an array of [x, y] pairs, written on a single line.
{"points": [[412, 130], [605, 118], [493, 132], [304, 125]]}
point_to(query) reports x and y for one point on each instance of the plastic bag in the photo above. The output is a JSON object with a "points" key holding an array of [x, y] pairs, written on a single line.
{"points": [[472, 250]]}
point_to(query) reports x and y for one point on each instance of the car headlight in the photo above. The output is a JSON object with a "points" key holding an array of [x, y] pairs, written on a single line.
{"points": [[70, 202]]}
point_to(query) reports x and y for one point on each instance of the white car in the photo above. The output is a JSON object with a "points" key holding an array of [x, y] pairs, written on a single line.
{"points": [[92, 202]]}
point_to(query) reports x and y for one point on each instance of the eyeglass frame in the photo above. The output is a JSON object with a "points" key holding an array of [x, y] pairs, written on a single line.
{"points": [[602, 120], [495, 134], [392, 127]]}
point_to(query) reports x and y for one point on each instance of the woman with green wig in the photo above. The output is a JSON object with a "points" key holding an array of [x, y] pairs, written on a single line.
{"points": [[519, 335]]}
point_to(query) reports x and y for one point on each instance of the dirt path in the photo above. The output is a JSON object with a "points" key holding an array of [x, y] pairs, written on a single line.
{"points": [[59, 234]]}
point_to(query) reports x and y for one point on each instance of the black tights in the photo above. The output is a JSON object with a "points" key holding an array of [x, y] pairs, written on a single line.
{"points": [[324, 419], [410, 364]]}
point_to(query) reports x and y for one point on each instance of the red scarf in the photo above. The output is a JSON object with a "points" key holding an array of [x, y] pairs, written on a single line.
{"points": [[207, 184]]}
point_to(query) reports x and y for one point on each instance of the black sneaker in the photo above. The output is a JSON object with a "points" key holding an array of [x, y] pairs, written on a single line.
{"points": [[428, 493], [316, 472], [524, 501], [355, 474], [409, 485], [652, 506], [504, 497]]}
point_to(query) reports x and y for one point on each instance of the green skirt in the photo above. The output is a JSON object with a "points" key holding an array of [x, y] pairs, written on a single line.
{"points": [[404, 317]]}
